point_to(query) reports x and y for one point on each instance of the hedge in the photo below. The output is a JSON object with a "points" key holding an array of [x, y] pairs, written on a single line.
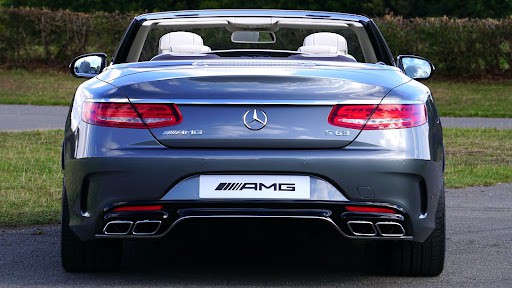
{"points": [[457, 47], [33, 38]]}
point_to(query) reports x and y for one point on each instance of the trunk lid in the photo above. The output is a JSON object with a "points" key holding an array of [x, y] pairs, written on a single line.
{"points": [[271, 107]]}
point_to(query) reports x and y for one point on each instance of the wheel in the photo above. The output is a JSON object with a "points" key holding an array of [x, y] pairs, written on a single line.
{"points": [[422, 259], [86, 256]]}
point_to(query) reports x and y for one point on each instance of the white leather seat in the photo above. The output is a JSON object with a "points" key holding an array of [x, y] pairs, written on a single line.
{"points": [[325, 43], [182, 42]]}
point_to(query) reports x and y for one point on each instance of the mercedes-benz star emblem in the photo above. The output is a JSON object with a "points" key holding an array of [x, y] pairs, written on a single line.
{"points": [[255, 119]]}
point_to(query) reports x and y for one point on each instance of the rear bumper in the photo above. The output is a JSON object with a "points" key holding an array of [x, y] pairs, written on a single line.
{"points": [[157, 224], [94, 185]]}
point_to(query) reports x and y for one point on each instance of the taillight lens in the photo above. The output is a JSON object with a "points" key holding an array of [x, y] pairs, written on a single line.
{"points": [[386, 116], [123, 115]]}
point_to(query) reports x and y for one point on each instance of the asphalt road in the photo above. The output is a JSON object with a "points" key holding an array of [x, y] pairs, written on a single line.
{"points": [[27, 117], [479, 254]]}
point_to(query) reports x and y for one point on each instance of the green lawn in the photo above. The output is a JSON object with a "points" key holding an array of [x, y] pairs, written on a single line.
{"points": [[471, 99], [30, 186], [37, 87], [477, 157]]}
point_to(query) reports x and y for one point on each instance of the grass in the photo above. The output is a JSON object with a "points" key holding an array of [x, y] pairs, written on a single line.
{"points": [[477, 157], [459, 99], [37, 87], [30, 186], [473, 99], [30, 173]]}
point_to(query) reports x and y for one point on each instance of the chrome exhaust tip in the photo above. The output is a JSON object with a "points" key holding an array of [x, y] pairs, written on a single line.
{"points": [[146, 227], [118, 227], [362, 228], [390, 229]]}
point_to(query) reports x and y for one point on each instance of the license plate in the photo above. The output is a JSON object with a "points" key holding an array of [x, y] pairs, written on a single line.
{"points": [[254, 187]]}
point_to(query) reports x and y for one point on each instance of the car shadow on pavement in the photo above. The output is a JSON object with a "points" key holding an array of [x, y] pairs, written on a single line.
{"points": [[266, 254]]}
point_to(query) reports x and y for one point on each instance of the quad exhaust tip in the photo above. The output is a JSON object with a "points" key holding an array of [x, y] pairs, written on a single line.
{"points": [[146, 227], [118, 227], [390, 229], [122, 227], [368, 229], [362, 228]]}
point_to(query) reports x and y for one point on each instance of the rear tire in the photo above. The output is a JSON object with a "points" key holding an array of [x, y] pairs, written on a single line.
{"points": [[422, 259], [87, 256]]}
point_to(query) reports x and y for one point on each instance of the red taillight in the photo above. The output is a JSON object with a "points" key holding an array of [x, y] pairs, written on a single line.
{"points": [[367, 209], [138, 208], [123, 115], [386, 116]]}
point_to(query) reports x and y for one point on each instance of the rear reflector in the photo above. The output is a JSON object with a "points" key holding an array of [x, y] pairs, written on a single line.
{"points": [[138, 208], [123, 115], [385, 116], [367, 209]]}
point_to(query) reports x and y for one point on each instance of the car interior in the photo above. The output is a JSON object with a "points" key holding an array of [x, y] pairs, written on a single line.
{"points": [[175, 45], [247, 37]]}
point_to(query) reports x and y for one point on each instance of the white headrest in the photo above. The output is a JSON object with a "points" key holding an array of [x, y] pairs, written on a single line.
{"points": [[326, 50], [188, 43], [325, 39], [189, 49]]}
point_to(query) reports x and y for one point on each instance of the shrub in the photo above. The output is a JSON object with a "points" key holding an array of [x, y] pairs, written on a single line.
{"points": [[31, 38], [457, 47]]}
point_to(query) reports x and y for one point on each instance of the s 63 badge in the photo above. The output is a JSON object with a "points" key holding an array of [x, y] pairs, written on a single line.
{"points": [[337, 132]]}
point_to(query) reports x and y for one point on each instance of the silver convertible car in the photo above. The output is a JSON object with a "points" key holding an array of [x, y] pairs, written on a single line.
{"points": [[243, 114]]}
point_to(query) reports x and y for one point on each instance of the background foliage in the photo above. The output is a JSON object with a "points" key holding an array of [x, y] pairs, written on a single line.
{"points": [[407, 8], [33, 38]]}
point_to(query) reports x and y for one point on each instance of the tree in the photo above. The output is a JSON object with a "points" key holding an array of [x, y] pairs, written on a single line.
{"points": [[406, 8]]}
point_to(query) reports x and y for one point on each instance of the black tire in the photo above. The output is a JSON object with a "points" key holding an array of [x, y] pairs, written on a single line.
{"points": [[422, 259], [88, 256]]}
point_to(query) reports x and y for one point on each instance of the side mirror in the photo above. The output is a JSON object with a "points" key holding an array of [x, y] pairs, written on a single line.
{"points": [[88, 65], [416, 67], [255, 37]]}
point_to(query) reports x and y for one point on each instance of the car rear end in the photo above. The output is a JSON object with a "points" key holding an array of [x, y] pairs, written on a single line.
{"points": [[345, 147]]}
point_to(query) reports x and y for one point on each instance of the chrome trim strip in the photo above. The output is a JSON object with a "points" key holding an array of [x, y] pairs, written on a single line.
{"points": [[361, 222], [146, 221], [118, 222], [329, 220], [104, 100], [265, 102], [390, 223]]}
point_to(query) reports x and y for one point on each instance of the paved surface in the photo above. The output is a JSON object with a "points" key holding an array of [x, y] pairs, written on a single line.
{"points": [[466, 122], [479, 254], [27, 117]]}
